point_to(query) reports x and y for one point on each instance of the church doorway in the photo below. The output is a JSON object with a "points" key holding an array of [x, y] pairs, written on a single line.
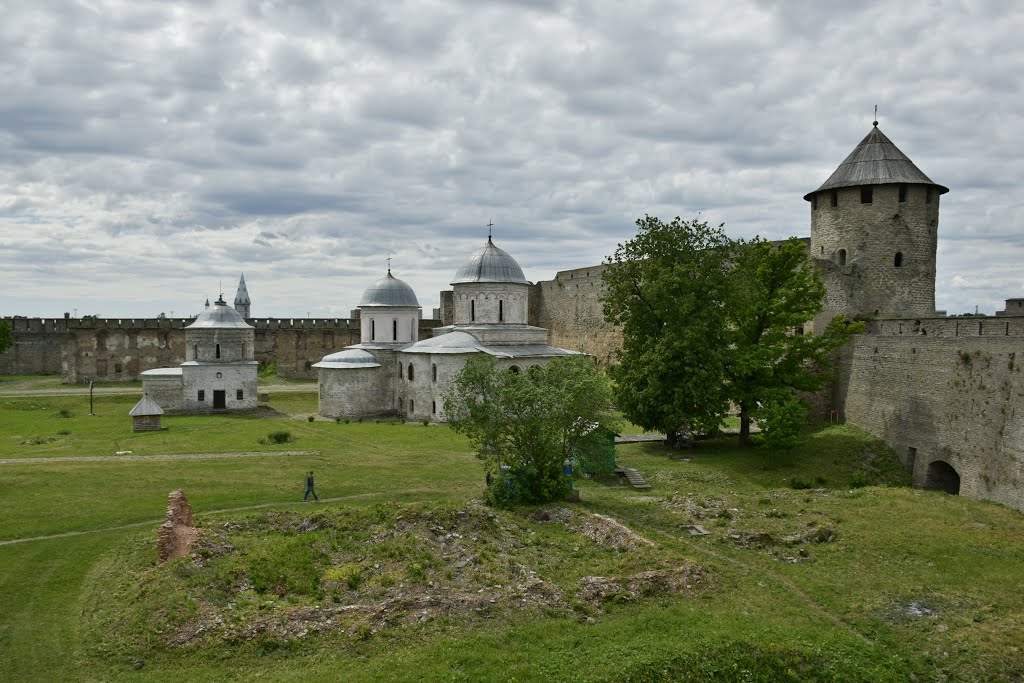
{"points": [[218, 400], [942, 477]]}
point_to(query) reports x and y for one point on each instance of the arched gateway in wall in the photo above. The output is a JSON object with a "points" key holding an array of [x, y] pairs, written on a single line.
{"points": [[941, 476]]}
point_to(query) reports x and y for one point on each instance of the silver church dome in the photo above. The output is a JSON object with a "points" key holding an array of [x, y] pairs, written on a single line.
{"points": [[490, 264], [389, 291], [220, 315], [348, 359]]}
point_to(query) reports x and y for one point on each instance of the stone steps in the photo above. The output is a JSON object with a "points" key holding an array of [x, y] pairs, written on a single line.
{"points": [[634, 478]]}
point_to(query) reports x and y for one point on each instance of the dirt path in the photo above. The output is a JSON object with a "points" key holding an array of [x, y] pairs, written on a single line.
{"points": [[173, 456], [157, 522]]}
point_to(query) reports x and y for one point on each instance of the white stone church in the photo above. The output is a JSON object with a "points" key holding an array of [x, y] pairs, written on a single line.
{"points": [[220, 370], [391, 372]]}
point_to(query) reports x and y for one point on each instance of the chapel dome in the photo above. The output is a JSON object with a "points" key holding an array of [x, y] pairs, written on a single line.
{"points": [[220, 316], [490, 264], [389, 291], [349, 359]]}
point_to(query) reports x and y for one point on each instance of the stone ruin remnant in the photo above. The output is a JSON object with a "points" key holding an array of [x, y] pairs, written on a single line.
{"points": [[176, 536]]}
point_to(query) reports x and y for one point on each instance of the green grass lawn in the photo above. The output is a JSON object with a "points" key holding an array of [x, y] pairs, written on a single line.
{"points": [[902, 581]]}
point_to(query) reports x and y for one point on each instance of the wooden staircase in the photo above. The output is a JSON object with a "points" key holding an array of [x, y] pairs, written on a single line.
{"points": [[633, 477]]}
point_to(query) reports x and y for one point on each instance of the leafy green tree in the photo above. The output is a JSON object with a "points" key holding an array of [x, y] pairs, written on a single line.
{"points": [[708, 321], [668, 288], [776, 290], [529, 421], [6, 337]]}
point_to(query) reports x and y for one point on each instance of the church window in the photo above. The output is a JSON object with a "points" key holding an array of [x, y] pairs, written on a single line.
{"points": [[118, 368], [472, 310], [835, 198], [842, 257], [903, 193], [412, 406], [218, 350], [501, 310], [514, 369], [238, 394], [898, 261], [201, 396], [220, 375], [433, 372], [433, 407], [373, 330], [411, 372], [928, 196], [866, 194], [195, 352], [394, 330]]}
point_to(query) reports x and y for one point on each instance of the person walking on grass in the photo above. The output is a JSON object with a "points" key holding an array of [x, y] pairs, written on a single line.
{"points": [[309, 487]]}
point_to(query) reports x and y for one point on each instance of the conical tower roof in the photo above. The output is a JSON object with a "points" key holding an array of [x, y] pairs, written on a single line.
{"points": [[876, 161], [242, 295]]}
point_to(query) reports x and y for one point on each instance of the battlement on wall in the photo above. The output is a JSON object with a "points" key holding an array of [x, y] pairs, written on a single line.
{"points": [[52, 325], [975, 326]]}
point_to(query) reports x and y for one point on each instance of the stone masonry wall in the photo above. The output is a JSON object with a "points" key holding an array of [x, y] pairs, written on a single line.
{"points": [[869, 282], [948, 389], [569, 306], [119, 349]]}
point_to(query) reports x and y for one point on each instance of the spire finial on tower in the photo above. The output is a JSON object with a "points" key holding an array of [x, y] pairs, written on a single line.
{"points": [[490, 225], [389, 263], [875, 122]]}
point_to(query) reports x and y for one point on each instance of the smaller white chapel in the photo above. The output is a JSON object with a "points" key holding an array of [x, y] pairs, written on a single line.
{"points": [[220, 369]]}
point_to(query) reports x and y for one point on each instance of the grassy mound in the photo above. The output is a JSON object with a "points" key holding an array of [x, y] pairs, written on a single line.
{"points": [[276, 577]]}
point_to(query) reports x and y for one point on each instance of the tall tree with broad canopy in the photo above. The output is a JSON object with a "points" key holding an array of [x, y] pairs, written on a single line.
{"points": [[530, 421], [776, 291], [668, 288], [708, 321]]}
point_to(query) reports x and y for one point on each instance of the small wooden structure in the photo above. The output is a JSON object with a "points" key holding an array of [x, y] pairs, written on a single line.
{"points": [[146, 415]]}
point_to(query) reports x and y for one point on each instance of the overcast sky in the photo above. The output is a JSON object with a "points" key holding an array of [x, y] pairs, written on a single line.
{"points": [[149, 151]]}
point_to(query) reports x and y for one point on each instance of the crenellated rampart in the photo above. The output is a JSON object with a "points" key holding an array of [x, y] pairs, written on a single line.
{"points": [[116, 349]]}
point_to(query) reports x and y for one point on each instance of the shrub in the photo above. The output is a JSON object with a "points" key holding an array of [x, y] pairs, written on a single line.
{"points": [[859, 479], [425, 422], [798, 483], [279, 437], [311, 418], [63, 413]]}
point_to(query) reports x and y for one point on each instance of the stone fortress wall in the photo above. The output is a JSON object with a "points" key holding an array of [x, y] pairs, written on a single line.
{"points": [[118, 349], [942, 390]]}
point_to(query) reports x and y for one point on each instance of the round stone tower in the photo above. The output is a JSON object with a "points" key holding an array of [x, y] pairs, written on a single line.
{"points": [[490, 288], [874, 226]]}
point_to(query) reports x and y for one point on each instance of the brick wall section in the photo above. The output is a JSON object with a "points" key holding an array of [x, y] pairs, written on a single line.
{"points": [[940, 387], [119, 349]]}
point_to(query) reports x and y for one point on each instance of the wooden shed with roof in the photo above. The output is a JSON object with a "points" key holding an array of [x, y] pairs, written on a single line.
{"points": [[146, 415]]}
